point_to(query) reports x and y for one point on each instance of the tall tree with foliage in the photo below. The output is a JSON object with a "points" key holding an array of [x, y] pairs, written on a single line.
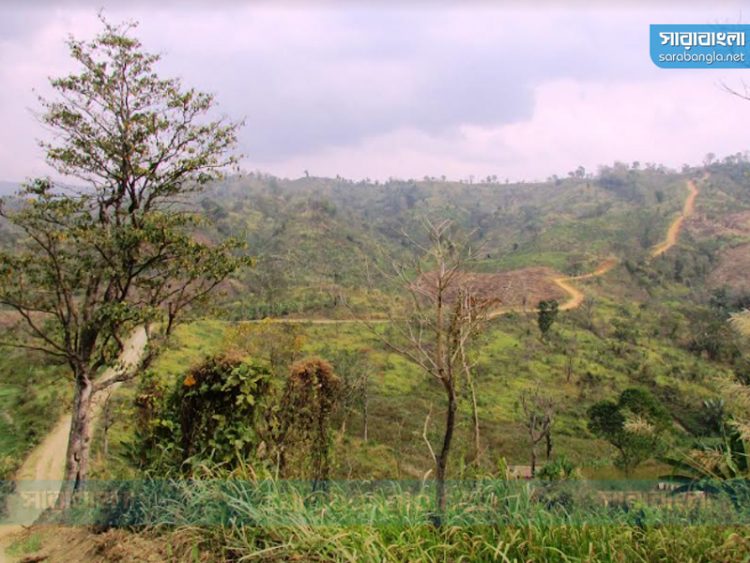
{"points": [[634, 425], [117, 251]]}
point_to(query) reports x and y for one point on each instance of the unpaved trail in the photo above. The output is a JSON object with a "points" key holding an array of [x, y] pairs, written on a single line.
{"points": [[311, 321], [38, 478], [576, 295], [673, 234], [564, 282]]}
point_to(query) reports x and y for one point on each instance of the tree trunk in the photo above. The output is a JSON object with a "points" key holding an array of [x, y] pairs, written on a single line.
{"points": [[79, 443], [366, 419], [442, 458], [533, 461], [548, 438], [106, 424], [474, 411], [475, 417]]}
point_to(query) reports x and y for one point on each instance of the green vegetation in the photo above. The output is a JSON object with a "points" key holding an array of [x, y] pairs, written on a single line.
{"points": [[235, 516], [97, 263], [652, 339], [324, 432], [633, 425], [31, 401]]}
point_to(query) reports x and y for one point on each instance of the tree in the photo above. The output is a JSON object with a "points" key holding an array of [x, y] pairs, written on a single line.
{"points": [[537, 412], [311, 396], [442, 317], [212, 412], [633, 425], [547, 315], [117, 252], [354, 368]]}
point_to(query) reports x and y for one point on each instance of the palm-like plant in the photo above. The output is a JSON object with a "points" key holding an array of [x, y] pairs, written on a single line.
{"points": [[722, 468]]}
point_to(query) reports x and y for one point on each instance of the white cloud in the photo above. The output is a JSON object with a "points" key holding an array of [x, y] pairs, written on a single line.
{"points": [[671, 120], [381, 90]]}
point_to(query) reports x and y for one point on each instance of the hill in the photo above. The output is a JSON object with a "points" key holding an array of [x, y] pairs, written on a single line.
{"points": [[647, 263], [640, 305]]}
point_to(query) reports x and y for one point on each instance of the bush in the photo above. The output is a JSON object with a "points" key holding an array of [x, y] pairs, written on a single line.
{"points": [[210, 414]]}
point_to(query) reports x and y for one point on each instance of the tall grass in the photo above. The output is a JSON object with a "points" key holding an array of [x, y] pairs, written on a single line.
{"points": [[241, 518]]}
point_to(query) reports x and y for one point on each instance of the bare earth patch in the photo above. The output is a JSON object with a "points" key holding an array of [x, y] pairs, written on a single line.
{"points": [[515, 289], [732, 224], [733, 268], [60, 544]]}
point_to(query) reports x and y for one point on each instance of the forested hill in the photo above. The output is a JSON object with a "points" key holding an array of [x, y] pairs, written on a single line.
{"points": [[320, 242], [318, 239]]}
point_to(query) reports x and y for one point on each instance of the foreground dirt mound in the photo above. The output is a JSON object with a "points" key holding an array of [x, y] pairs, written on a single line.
{"points": [[59, 544]]}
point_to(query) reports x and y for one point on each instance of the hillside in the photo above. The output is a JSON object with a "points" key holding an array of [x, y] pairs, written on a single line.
{"points": [[603, 242], [643, 262], [320, 239]]}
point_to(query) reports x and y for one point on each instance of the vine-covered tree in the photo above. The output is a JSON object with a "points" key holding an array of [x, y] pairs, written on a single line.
{"points": [[302, 432], [117, 251]]}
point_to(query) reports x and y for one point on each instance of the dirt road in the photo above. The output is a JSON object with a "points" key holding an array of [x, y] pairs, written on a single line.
{"points": [[673, 234], [38, 479], [576, 295]]}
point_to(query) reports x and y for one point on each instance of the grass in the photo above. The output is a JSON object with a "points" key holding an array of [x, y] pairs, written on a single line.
{"points": [[742, 322], [33, 395], [511, 358], [190, 344], [25, 545], [240, 518]]}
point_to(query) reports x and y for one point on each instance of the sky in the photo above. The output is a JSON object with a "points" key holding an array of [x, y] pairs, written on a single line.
{"points": [[380, 90]]}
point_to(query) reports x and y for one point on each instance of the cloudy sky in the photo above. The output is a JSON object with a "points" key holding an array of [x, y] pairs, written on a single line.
{"points": [[379, 90]]}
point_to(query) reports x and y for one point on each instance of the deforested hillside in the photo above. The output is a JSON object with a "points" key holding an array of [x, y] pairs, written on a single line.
{"points": [[348, 231]]}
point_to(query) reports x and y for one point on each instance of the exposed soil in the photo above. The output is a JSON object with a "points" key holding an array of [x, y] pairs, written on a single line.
{"points": [[576, 295], [62, 544], [521, 290], [517, 289], [732, 270], [673, 234]]}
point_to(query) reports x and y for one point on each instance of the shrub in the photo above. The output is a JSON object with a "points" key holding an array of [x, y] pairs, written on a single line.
{"points": [[212, 413]]}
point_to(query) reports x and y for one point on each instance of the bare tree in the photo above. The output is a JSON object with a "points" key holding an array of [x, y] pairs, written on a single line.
{"points": [[442, 315], [537, 412]]}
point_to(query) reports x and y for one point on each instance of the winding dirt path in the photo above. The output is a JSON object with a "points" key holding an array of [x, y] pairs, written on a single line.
{"points": [[576, 295], [38, 479], [673, 234]]}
